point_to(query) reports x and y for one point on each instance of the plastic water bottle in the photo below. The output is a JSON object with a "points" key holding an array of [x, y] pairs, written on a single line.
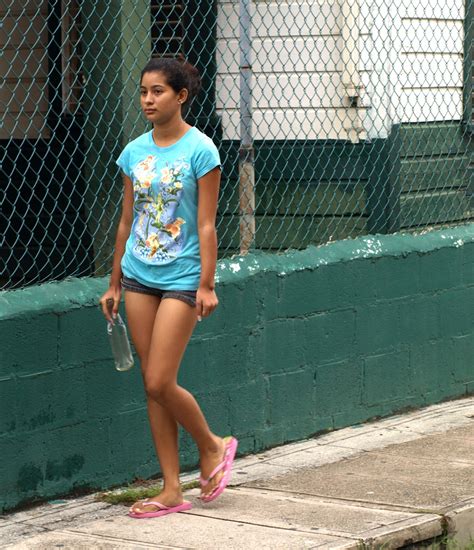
{"points": [[120, 344]]}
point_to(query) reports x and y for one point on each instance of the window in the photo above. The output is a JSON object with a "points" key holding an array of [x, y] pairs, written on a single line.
{"points": [[167, 29]]}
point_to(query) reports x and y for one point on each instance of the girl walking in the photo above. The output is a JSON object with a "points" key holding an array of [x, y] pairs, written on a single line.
{"points": [[165, 260]]}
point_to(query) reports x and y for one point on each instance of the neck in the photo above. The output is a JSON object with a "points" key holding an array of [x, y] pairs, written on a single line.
{"points": [[170, 130]]}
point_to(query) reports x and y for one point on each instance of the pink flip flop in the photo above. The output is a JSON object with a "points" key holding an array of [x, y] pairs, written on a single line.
{"points": [[163, 510], [226, 466]]}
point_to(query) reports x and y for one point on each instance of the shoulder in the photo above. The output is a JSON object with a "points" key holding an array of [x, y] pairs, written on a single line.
{"points": [[138, 142], [205, 154], [202, 141]]}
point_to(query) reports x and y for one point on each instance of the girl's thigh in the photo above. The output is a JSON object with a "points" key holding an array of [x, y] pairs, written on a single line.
{"points": [[141, 312], [174, 325]]}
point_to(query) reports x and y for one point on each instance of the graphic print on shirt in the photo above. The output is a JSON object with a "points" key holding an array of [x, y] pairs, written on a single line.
{"points": [[157, 232]]}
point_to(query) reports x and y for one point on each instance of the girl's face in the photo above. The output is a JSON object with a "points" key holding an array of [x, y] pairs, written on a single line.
{"points": [[160, 102]]}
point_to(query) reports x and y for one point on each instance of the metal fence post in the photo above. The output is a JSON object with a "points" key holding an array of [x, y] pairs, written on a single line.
{"points": [[246, 151]]}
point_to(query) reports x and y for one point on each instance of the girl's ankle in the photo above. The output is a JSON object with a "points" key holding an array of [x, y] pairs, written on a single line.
{"points": [[212, 447], [172, 489]]}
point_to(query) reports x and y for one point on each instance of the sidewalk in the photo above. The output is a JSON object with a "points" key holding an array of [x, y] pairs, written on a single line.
{"points": [[394, 482]]}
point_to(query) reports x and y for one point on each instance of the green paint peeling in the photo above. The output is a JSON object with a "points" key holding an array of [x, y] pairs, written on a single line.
{"points": [[371, 246]]}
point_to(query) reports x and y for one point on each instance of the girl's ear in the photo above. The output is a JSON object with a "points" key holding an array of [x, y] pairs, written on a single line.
{"points": [[183, 95]]}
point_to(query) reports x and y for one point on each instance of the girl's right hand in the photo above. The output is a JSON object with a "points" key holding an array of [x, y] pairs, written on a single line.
{"points": [[110, 301]]}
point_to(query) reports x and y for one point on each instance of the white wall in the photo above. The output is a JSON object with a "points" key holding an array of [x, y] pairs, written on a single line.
{"points": [[408, 56], [431, 58], [297, 68]]}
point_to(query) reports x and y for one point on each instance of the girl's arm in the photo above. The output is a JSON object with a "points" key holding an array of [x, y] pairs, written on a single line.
{"points": [[208, 186], [114, 291]]}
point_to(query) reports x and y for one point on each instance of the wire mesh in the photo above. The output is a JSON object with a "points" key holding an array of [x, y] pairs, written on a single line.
{"points": [[333, 118]]}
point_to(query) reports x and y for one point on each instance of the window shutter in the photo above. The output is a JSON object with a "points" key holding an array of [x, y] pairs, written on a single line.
{"points": [[167, 29]]}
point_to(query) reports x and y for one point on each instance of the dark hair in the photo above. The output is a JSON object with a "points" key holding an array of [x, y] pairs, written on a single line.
{"points": [[179, 74]]}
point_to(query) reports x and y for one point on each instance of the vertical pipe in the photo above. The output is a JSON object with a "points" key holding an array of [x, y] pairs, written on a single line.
{"points": [[246, 151], [350, 33]]}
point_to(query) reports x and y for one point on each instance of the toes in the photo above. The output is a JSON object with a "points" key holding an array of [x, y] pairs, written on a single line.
{"points": [[139, 507], [213, 484]]}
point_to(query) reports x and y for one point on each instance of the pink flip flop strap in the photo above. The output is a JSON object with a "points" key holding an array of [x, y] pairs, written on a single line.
{"points": [[213, 473], [218, 468], [158, 504]]}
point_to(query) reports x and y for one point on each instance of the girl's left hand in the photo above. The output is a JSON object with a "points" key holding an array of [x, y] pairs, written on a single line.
{"points": [[206, 302]]}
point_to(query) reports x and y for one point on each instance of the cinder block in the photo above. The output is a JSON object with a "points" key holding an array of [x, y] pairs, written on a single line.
{"points": [[8, 400], [430, 365], [330, 337], [108, 392], [127, 442], [220, 361], [34, 409], [52, 399], [462, 358], [217, 323], [467, 266], [83, 337], [351, 417], [196, 368], [396, 276], [338, 387], [267, 293], [28, 345], [302, 293], [83, 451], [419, 320], [377, 327], [273, 435], [217, 409], [284, 346], [291, 397], [361, 279], [21, 468], [321, 289], [238, 305], [305, 427], [456, 311], [247, 407], [440, 269], [387, 377]]}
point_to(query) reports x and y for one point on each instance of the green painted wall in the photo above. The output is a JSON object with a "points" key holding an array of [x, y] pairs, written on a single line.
{"points": [[309, 192], [303, 342]]}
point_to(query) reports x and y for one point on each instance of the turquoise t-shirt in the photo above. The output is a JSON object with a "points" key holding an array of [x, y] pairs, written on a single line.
{"points": [[163, 248]]}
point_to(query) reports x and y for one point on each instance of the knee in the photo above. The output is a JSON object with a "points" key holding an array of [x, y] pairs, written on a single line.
{"points": [[159, 389]]}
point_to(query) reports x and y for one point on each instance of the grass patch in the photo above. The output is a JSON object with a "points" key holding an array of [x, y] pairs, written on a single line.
{"points": [[129, 495]]}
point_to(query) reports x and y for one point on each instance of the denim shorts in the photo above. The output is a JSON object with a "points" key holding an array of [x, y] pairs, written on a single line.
{"points": [[187, 296]]}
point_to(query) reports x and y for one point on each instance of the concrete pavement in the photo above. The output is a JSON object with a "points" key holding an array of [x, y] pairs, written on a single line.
{"points": [[391, 483]]}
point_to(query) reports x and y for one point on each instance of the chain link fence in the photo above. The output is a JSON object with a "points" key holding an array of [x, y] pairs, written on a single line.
{"points": [[333, 118]]}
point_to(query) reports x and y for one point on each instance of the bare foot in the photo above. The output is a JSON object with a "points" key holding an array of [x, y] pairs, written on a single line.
{"points": [[209, 460], [166, 497]]}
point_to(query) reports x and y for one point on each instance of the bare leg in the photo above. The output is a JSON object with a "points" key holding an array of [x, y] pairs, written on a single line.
{"points": [[174, 324], [141, 313]]}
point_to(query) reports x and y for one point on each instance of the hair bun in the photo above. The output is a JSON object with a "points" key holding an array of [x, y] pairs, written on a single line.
{"points": [[193, 76]]}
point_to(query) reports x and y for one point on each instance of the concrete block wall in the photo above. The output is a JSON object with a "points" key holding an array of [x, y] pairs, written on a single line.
{"points": [[301, 343]]}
